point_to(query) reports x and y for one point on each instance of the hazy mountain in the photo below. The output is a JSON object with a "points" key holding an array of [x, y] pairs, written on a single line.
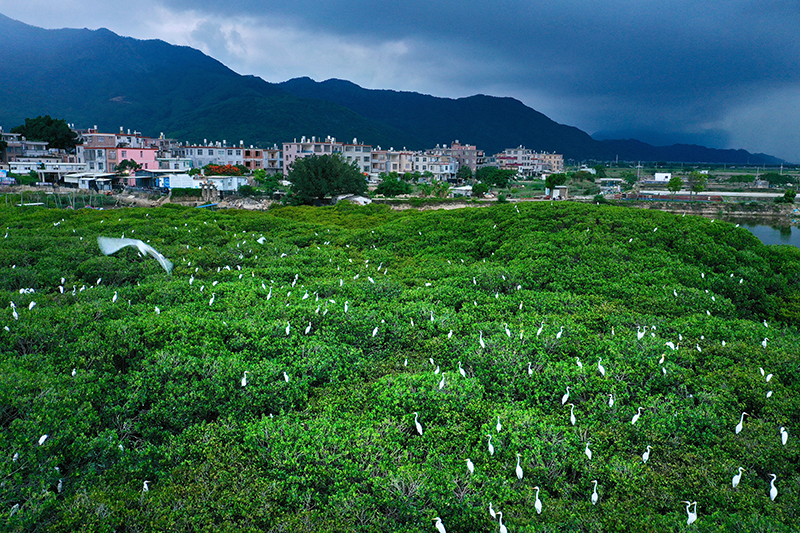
{"points": [[95, 77]]}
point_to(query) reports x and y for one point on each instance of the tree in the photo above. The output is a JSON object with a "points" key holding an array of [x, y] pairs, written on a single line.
{"points": [[554, 180], [630, 178], [697, 182], [126, 166], [464, 173], [496, 177], [674, 185], [315, 177], [601, 171], [194, 172], [776, 179], [479, 189], [268, 182], [789, 195], [391, 186], [3, 148], [55, 132]]}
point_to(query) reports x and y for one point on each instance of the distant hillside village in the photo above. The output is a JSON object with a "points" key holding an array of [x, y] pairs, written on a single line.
{"points": [[168, 163]]}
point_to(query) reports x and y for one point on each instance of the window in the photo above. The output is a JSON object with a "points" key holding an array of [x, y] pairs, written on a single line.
{"points": [[230, 152], [199, 151], [366, 158], [124, 154]]}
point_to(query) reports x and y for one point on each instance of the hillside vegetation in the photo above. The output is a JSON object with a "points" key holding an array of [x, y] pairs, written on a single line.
{"points": [[341, 317]]}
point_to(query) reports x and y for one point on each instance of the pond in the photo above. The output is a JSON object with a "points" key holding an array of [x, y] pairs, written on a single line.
{"points": [[775, 234]]}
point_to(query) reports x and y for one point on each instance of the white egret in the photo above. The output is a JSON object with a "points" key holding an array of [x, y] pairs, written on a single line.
{"points": [[346, 304], [600, 367], [109, 246], [737, 478], [572, 413], [784, 435], [375, 331], [308, 328], [670, 344], [439, 525], [288, 328], [15, 458], [740, 425], [491, 448], [640, 332], [416, 423], [646, 455], [560, 332], [530, 370], [480, 340], [470, 466], [691, 515], [244, 378], [42, 439], [114, 298], [499, 426], [595, 496], [211, 301], [508, 331], [538, 503], [768, 377], [578, 362], [145, 488], [461, 370], [158, 311], [764, 342], [539, 331], [441, 383], [491, 511], [286, 377], [611, 400], [565, 397], [588, 451], [518, 469], [74, 372], [450, 334], [773, 491], [503, 528], [636, 416], [437, 370]]}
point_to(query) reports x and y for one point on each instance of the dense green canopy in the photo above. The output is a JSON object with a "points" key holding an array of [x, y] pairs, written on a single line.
{"points": [[353, 304]]}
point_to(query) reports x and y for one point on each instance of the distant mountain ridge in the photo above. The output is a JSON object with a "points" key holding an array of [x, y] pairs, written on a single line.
{"points": [[95, 77]]}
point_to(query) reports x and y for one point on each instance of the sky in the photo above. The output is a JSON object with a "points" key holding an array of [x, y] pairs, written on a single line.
{"points": [[720, 73]]}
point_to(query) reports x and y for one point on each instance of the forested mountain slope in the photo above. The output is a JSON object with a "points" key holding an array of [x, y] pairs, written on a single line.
{"points": [[342, 316]]}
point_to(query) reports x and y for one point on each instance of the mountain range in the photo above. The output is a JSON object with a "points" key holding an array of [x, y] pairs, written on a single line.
{"points": [[96, 77]]}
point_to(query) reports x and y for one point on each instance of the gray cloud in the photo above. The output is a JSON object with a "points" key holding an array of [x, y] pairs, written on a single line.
{"points": [[720, 73]]}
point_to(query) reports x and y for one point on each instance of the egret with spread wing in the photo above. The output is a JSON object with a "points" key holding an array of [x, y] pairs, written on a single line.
{"points": [[109, 246]]}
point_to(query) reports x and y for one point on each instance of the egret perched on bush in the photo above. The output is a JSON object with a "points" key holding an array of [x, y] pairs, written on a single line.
{"points": [[773, 491], [784, 435], [416, 423], [637, 415], [538, 503], [646, 454], [588, 451], [572, 413], [611, 400], [145, 488], [491, 448], [109, 246], [595, 496], [565, 398], [244, 379], [499, 426], [503, 528], [470, 466], [600, 367], [737, 478], [518, 469], [691, 515], [439, 525], [740, 425], [480, 340], [461, 370], [42, 439]]}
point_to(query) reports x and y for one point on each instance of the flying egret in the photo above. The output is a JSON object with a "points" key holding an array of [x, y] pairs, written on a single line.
{"points": [[737, 478], [691, 515], [588, 451], [416, 423], [538, 503], [600, 367], [572, 413], [740, 425], [109, 246], [773, 491], [784, 435], [611, 400], [491, 448], [565, 397], [244, 378], [595, 496], [518, 469], [439, 525], [461, 370], [646, 454], [503, 528], [636, 416], [470, 466]]}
